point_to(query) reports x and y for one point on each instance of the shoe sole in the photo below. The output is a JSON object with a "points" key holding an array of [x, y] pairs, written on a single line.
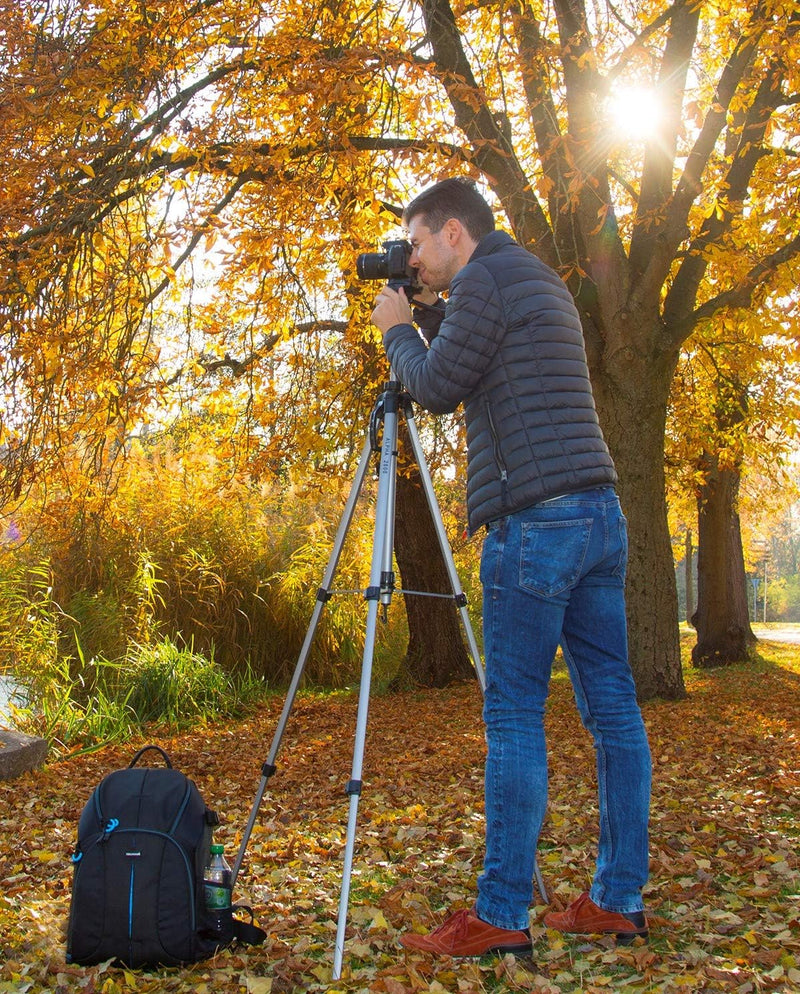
{"points": [[623, 938], [520, 950]]}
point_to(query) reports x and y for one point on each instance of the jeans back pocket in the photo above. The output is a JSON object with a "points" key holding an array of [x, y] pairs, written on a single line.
{"points": [[552, 554]]}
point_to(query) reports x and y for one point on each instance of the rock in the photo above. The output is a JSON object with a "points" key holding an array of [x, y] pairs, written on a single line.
{"points": [[19, 753]]}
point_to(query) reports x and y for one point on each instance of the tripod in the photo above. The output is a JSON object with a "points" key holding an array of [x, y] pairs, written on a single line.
{"points": [[390, 404]]}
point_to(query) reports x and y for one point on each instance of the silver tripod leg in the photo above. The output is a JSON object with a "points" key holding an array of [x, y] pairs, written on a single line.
{"points": [[323, 595], [379, 592]]}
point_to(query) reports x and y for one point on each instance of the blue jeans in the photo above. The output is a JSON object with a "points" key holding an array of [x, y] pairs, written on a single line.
{"points": [[555, 574]]}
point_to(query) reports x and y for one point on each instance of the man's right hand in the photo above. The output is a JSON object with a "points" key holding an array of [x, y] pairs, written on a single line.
{"points": [[391, 308]]}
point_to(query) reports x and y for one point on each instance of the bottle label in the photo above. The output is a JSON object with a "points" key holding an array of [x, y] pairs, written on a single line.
{"points": [[217, 897]]}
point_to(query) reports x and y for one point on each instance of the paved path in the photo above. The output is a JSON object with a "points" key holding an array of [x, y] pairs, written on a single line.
{"points": [[777, 633]]}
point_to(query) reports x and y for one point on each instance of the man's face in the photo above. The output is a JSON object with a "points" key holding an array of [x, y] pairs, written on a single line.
{"points": [[433, 256]]}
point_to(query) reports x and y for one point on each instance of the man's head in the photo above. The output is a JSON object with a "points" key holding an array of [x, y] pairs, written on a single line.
{"points": [[456, 198], [445, 223]]}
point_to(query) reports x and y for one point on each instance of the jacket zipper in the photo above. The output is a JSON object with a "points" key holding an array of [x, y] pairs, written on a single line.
{"points": [[498, 458]]}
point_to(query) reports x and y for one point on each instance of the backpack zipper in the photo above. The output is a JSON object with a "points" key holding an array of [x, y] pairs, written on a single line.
{"points": [[79, 854]]}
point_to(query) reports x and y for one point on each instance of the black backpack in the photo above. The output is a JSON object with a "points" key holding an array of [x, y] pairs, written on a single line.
{"points": [[137, 892]]}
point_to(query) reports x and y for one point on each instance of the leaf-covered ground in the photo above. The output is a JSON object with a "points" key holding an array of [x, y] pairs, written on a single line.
{"points": [[723, 899]]}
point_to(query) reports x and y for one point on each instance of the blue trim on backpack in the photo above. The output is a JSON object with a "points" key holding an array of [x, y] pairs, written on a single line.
{"points": [[130, 901], [181, 809], [109, 827], [186, 863]]}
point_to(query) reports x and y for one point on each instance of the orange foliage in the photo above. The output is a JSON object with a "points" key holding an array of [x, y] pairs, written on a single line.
{"points": [[184, 188]]}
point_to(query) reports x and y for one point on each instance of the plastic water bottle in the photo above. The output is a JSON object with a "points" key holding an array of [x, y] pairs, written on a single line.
{"points": [[217, 887]]}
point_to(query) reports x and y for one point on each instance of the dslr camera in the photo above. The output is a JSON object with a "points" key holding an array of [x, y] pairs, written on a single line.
{"points": [[391, 265]]}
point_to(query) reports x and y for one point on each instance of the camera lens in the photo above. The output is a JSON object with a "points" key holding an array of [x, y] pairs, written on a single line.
{"points": [[372, 266]]}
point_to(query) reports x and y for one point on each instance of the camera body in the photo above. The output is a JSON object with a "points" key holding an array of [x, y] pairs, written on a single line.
{"points": [[391, 265]]}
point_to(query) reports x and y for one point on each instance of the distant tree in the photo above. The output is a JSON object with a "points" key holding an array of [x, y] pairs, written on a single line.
{"points": [[722, 618], [733, 416]]}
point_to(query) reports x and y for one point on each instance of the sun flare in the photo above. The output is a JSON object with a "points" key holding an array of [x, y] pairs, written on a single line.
{"points": [[634, 112]]}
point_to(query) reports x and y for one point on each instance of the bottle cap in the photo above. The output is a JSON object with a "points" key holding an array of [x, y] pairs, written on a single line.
{"points": [[217, 849]]}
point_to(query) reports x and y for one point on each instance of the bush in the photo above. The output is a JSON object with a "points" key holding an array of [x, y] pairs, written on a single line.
{"points": [[784, 599], [167, 684], [160, 685], [181, 550]]}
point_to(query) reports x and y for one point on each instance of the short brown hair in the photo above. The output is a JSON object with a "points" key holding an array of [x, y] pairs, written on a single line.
{"points": [[458, 198]]}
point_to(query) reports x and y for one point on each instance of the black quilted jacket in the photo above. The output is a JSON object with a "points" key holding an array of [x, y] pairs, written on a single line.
{"points": [[510, 347]]}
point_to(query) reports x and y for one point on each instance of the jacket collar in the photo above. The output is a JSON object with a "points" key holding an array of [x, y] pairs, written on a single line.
{"points": [[491, 243]]}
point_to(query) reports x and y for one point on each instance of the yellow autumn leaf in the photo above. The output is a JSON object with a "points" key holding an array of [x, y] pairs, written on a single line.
{"points": [[45, 856], [322, 972], [259, 985], [379, 921]]}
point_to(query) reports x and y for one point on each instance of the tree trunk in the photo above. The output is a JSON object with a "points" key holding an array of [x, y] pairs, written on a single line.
{"points": [[632, 404], [631, 360], [436, 653], [722, 617], [652, 598], [688, 564]]}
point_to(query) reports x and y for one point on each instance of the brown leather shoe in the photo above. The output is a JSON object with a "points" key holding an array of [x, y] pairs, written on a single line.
{"points": [[464, 934], [584, 917]]}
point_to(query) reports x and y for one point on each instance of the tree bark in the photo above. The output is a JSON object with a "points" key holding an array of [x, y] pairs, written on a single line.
{"points": [[722, 618], [631, 396], [436, 653]]}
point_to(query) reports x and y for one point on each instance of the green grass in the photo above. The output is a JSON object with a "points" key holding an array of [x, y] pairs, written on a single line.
{"points": [[80, 708]]}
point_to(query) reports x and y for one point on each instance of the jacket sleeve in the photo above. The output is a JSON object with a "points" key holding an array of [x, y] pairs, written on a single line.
{"points": [[429, 319], [441, 376]]}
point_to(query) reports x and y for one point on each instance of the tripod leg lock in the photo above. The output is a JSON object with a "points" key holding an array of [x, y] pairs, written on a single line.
{"points": [[384, 590], [267, 770], [353, 787], [324, 595]]}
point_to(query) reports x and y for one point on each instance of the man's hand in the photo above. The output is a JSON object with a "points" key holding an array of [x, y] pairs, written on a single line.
{"points": [[391, 308], [424, 296]]}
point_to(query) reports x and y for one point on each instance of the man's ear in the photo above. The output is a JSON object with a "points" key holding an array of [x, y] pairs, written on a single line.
{"points": [[453, 230]]}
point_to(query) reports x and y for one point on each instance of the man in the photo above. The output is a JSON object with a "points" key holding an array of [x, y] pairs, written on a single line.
{"points": [[540, 480]]}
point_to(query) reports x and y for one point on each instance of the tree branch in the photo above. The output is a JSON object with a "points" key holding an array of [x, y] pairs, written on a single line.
{"points": [[741, 295], [690, 184], [656, 183], [492, 151], [238, 367], [750, 149], [201, 230]]}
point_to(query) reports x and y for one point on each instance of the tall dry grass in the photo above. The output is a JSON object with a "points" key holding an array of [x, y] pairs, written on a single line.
{"points": [[176, 556]]}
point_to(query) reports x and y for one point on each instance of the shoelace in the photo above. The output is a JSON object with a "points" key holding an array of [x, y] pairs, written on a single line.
{"points": [[574, 910], [456, 926]]}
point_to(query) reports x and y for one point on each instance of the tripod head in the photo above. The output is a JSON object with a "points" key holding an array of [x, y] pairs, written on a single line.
{"points": [[393, 399]]}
